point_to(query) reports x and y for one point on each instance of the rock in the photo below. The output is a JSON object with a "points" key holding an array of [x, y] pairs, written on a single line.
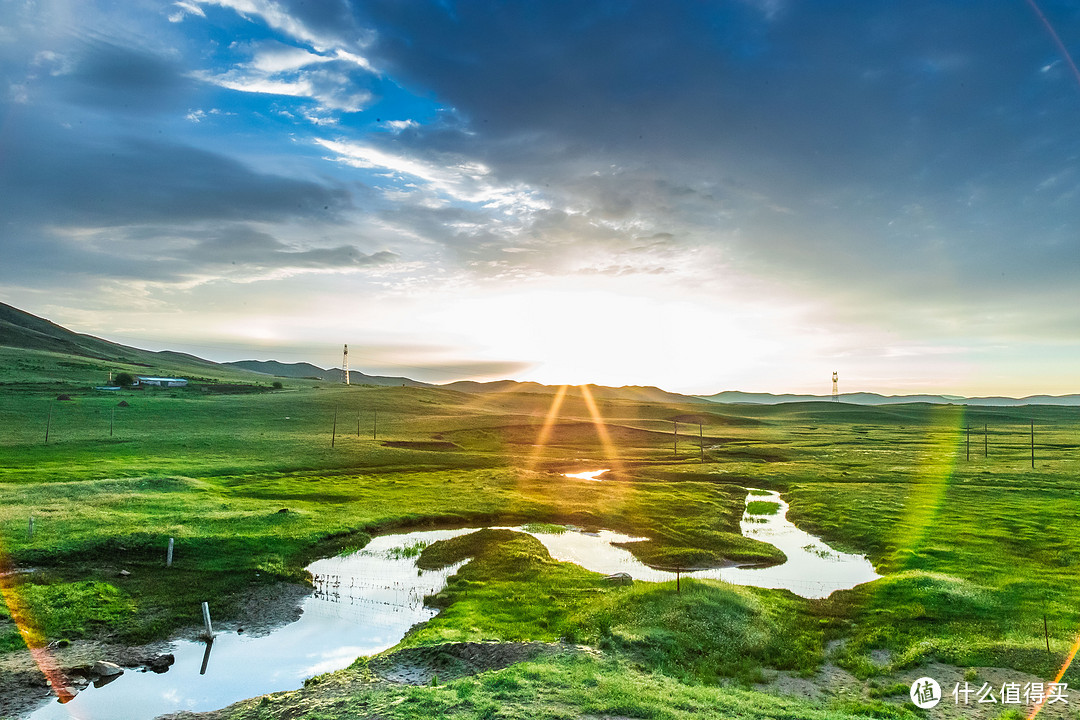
{"points": [[283, 510], [104, 668], [125, 573], [620, 578], [122, 403], [63, 397], [161, 663]]}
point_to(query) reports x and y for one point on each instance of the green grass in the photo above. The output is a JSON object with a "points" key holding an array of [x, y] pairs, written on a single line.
{"points": [[564, 688], [976, 552], [545, 528], [512, 590], [762, 507]]}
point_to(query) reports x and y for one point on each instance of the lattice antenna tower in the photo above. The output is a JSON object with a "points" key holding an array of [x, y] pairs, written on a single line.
{"points": [[835, 390], [345, 364]]}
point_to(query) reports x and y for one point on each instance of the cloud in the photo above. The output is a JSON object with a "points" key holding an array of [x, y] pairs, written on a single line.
{"points": [[322, 25], [168, 255], [57, 178], [101, 74], [337, 81]]}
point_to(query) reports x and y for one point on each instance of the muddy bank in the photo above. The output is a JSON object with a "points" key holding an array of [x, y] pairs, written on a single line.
{"points": [[409, 666]]}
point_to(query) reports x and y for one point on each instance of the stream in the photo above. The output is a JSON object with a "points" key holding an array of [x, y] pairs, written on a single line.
{"points": [[364, 603]]}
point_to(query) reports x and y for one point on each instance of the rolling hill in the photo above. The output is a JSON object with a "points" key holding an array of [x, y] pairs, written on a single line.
{"points": [[307, 370]]}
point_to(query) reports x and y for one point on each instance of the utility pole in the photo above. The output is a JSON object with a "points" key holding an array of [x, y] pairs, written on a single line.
{"points": [[333, 433], [345, 365], [676, 436], [835, 388], [701, 441], [969, 442], [986, 443]]}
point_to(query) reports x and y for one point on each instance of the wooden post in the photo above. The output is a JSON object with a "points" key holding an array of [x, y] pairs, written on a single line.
{"points": [[333, 433], [676, 436], [701, 441], [112, 422], [1046, 628], [30, 529], [168, 554], [206, 620], [1032, 444], [48, 425], [986, 443], [678, 585], [969, 442]]}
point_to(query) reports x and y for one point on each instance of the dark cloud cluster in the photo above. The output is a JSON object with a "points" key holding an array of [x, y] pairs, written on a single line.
{"points": [[916, 139]]}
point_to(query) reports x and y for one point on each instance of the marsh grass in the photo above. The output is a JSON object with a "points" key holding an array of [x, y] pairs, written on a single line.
{"points": [[762, 507], [544, 528]]}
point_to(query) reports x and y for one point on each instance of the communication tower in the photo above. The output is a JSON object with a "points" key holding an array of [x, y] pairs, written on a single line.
{"points": [[835, 391], [345, 364]]}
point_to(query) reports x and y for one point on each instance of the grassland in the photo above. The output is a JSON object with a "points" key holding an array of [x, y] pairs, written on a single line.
{"points": [[980, 553]]}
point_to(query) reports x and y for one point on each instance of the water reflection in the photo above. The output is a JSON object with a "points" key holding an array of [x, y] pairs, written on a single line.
{"points": [[364, 602], [588, 475], [813, 569]]}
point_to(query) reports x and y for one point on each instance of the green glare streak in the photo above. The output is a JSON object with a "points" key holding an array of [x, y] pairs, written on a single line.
{"points": [[927, 491]]}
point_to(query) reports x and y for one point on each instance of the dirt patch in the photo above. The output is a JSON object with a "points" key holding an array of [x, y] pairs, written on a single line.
{"points": [[832, 684], [422, 445], [419, 666], [410, 666], [266, 607]]}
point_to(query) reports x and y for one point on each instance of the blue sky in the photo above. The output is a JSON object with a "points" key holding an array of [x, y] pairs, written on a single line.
{"points": [[703, 196]]}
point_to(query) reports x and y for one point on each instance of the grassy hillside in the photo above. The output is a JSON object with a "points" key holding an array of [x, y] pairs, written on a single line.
{"points": [[979, 549]]}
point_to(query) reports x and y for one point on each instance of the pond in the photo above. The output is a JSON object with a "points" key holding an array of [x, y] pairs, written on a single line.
{"points": [[364, 603]]}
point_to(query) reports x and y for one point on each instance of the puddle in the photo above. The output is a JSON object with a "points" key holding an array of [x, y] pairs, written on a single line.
{"points": [[590, 475], [813, 569], [365, 602]]}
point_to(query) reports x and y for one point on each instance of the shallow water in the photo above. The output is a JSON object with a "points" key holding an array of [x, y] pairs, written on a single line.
{"points": [[813, 569], [588, 475], [365, 602]]}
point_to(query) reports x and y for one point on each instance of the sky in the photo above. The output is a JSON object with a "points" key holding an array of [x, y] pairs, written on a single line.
{"points": [[703, 196]]}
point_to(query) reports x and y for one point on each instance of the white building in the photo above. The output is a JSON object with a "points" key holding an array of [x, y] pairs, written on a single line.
{"points": [[162, 381]]}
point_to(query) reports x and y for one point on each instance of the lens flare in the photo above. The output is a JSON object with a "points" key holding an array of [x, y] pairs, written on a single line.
{"points": [[35, 642]]}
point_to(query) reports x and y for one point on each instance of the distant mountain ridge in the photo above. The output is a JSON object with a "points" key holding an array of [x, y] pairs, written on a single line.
{"points": [[646, 393], [734, 396], [20, 329], [307, 370]]}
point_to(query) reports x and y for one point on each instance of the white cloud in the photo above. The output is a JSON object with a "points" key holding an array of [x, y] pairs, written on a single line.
{"points": [[284, 58], [277, 18], [457, 179], [397, 126], [185, 8], [277, 69]]}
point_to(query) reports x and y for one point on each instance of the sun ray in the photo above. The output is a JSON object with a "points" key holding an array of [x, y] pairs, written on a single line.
{"points": [[35, 643], [545, 429], [601, 427]]}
